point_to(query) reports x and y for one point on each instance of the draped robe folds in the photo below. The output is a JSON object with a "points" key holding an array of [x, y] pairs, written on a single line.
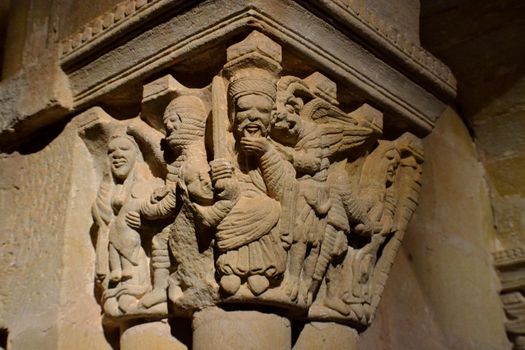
{"points": [[124, 239], [250, 240]]}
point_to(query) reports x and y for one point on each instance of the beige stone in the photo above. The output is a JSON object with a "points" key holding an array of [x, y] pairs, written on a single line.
{"points": [[326, 335], [150, 335], [250, 330], [251, 166], [445, 243], [285, 200]]}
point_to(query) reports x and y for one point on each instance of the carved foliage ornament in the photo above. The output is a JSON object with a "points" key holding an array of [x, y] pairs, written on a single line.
{"points": [[257, 189]]}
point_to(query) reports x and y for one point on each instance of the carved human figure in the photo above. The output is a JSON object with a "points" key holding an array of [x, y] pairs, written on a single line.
{"points": [[348, 287], [250, 246], [188, 199], [121, 192]]}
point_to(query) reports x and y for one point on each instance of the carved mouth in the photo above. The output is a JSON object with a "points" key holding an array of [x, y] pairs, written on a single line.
{"points": [[117, 163], [252, 129], [281, 125]]}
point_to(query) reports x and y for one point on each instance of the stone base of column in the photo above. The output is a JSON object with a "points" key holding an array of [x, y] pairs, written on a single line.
{"points": [[218, 329], [152, 335], [327, 336]]}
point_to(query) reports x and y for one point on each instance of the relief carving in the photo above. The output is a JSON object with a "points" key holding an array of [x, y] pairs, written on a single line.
{"points": [[509, 265], [121, 264], [257, 188]]}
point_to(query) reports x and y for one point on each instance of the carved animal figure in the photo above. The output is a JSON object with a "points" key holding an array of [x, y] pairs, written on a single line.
{"points": [[388, 188]]}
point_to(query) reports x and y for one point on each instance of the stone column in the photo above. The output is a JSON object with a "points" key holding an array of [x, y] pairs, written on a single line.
{"points": [[327, 335], [152, 335], [218, 329]]}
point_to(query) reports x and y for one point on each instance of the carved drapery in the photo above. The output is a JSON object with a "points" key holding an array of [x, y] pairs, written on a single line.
{"points": [[258, 189]]}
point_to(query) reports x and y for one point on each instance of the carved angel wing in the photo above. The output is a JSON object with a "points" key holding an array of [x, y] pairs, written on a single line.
{"points": [[341, 132]]}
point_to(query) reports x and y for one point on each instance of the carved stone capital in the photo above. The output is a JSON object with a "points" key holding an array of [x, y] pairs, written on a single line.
{"points": [[257, 189]]}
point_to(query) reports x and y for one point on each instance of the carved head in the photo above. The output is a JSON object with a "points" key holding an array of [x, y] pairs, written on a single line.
{"points": [[287, 123], [393, 159], [196, 182], [123, 153], [185, 121], [253, 100]]}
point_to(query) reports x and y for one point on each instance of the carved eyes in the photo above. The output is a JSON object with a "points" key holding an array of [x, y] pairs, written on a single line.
{"points": [[124, 148], [254, 103], [173, 120]]}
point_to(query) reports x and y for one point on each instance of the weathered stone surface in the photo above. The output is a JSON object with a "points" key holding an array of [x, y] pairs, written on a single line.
{"points": [[288, 201], [326, 335], [150, 335], [46, 282], [218, 329], [492, 102], [146, 202], [509, 264], [96, 74], [428, 294]]}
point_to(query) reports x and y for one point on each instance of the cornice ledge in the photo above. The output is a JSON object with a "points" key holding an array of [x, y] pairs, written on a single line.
{"points": [[391, 89], [411, 55], [123, 18]]}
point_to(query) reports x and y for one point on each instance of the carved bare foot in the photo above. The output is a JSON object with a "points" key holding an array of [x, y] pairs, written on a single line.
{"points": [[230, 284], [127, 303], [338, 305], [126, 275], [258, 284], [115, 275], [291, 287], [174, 290], [156, 296]]}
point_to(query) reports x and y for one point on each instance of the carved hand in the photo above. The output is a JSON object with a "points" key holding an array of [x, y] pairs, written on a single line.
{"points": [[386, 225], [227, 189], [133, 219], [366, 229], [159, 193], [220, 169], [256, 145]]}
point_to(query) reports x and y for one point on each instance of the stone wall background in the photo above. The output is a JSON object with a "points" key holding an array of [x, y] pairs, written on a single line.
{"points": [[46, 284], [443, 291], [482, 44]]}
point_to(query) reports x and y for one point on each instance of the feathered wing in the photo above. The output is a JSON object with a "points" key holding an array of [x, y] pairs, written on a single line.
{"points": [[342, 132], [408, 185]]}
